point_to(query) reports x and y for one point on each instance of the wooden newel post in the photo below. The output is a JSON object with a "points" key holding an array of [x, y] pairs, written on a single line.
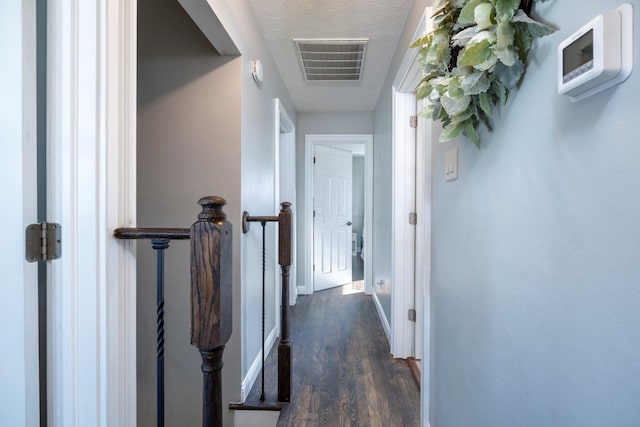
{"points": [[211, 287], [284, 259]]}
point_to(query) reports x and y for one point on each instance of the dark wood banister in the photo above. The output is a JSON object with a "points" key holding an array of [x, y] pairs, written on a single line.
{"points": [[211, 292], [152, 233], [284, 220]]}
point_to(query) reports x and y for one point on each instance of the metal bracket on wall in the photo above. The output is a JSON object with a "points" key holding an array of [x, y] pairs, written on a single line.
{"points": [[43, 242]]}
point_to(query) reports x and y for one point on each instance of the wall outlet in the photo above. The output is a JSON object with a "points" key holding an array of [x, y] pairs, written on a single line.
{"points": [[451, 164]]}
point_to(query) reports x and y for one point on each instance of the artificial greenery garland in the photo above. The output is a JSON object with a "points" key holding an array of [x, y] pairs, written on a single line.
{"points": [[473, 58]]}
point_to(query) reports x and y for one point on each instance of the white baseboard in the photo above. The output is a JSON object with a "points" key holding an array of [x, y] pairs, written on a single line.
{"points": [[256, 418], [383, 318], [256, 366], [304, 290]]}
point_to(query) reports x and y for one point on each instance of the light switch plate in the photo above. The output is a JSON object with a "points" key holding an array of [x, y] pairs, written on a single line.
{"points": [[451, 164]]}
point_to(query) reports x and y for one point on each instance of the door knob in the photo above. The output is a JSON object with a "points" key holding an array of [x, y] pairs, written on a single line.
{"points": [[349, 223]]}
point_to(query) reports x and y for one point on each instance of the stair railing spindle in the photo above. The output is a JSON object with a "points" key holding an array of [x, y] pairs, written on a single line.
{"points": [[159, 245]]}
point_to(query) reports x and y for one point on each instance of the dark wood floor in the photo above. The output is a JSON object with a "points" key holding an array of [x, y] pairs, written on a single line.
{"points": [[343, 374]]}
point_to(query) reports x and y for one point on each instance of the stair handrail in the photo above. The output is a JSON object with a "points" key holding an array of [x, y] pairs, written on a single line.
{"points": [[285, 222], [211, 297]]}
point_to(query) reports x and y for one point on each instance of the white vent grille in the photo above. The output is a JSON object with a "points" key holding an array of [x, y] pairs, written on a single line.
{"points": [[331, 59]]}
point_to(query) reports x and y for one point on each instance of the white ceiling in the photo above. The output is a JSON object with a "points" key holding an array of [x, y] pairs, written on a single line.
{"points": [[381, 21]]}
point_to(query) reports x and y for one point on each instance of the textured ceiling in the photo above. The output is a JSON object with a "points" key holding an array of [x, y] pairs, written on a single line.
{"points": [[380, 21]]}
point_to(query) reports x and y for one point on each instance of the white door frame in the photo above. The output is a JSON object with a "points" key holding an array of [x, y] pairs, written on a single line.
{"points": [[407, 242], [323, 139], [19, 376], [91, 191], [284, 126]]}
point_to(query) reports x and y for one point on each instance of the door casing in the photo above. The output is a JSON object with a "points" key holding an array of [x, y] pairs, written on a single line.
{"points": [[410, 243], [338, 139]]}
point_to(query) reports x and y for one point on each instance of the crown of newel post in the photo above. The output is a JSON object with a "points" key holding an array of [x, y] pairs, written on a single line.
{"points": [[211, 299], [211, 275]]}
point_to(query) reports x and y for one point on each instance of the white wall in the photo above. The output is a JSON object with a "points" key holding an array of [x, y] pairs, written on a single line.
{"points": [[382, 142], [204, 128], [535, 275]]}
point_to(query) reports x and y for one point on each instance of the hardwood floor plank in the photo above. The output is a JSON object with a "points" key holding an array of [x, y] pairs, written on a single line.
{"points": [[343, 374]]}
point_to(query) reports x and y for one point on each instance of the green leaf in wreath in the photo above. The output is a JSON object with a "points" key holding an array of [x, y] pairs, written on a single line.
{"points": [[506, 7], [467, 14], [476, 52], [482, 16], [509, 76], [537, 29], [461, 38], [505, 33], [421, 41], [454, 105], [522, 41], [438, 111], [439, 51], [475, 83], [455, 87], [470, 132], [500, 92], [507, 56], [451, 131], [485, 104]]}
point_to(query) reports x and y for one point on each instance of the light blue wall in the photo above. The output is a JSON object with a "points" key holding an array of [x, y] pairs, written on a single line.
{"points": [[536, 256]]}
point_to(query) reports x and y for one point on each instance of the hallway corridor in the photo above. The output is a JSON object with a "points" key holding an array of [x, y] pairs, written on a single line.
{"points": [[343, 374]]}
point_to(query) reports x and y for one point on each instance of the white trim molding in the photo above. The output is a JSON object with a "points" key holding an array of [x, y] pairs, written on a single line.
{"points": [[19, 371], [249, 380], [404, 200], [91, 191], [381, 316], [285, 141], [411, 192], [310, 141]]}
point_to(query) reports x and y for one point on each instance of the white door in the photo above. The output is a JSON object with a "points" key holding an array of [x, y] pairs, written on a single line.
{"points": [[332, 180], [18, 306]]}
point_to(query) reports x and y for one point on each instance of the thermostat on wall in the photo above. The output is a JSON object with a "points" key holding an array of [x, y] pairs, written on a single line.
{"points": [[598, 55]]}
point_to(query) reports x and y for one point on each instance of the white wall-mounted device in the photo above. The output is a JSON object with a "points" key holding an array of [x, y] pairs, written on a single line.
{"points": [[257, 71], [597, 56]]}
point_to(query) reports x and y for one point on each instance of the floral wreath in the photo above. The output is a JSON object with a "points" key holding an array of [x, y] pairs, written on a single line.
{"points": [[473, 58]]}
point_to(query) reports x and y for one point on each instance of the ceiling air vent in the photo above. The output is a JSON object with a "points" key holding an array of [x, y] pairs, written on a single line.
{"points": [[331, 59]]}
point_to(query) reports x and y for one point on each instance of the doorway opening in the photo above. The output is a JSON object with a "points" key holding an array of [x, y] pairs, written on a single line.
{"points": [[363, 145]]}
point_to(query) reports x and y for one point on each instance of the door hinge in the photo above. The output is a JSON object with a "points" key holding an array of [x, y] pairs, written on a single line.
{"points": [[413, 122], [314, 213], [412, 314], [314, 267], [43, 242], [413, 218], [314, 160]]}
